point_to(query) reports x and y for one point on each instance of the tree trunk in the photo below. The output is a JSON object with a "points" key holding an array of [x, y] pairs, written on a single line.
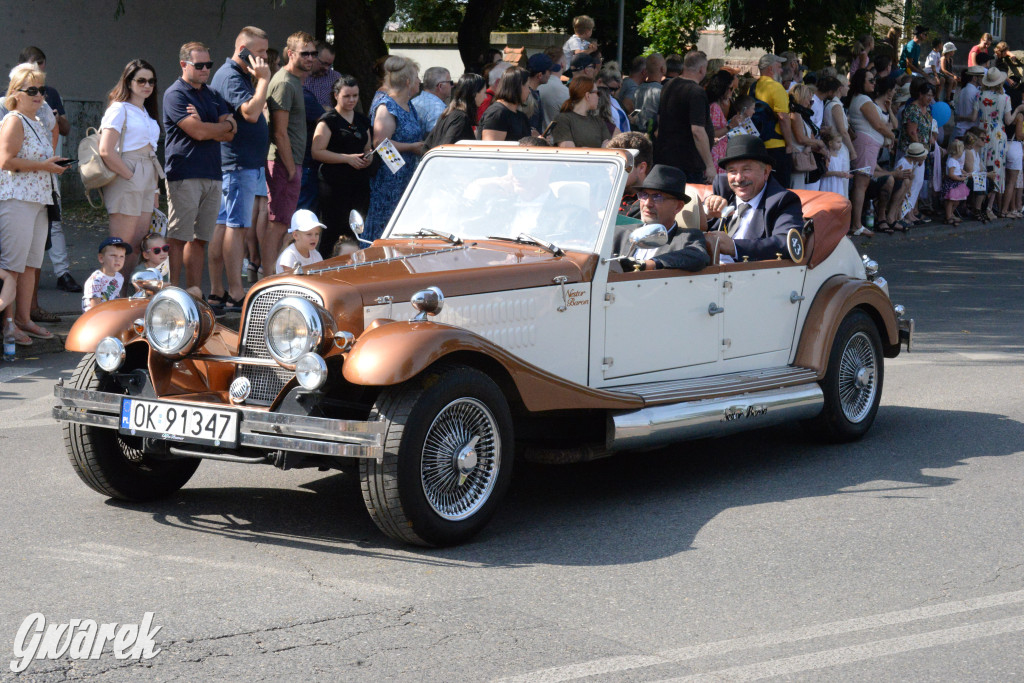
{"points": [[359, 37], [475, 31]]}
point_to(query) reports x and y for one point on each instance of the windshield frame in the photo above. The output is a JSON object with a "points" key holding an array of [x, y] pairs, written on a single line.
{"points": [[532, 155]]}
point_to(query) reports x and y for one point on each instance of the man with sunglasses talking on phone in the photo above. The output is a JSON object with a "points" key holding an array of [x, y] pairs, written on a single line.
{"points": [[287, 141], [196, 120]]}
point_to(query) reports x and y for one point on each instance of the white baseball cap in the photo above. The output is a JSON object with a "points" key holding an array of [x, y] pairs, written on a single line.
{"points": [[305, 220]]}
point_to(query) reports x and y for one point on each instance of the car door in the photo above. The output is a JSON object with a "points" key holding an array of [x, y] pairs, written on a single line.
{"points": [[762, 302], [660, 321]]}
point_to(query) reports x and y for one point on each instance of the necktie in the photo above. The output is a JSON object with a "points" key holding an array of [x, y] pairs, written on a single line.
{"points": [[734, 224]]}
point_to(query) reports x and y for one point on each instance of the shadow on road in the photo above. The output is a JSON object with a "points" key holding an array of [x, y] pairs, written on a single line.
{"points": [[631, 508]]}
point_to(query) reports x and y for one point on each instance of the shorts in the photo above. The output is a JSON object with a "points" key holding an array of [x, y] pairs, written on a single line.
{"points": [[1014, 156], [874, 188], [134, 197], [283, 194], [261, 185], [867, 152], [237, 195], [23, 227], [192, 206]]}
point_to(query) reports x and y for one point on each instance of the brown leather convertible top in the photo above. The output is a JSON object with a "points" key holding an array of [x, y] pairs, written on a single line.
{"points": [[831, 215]]}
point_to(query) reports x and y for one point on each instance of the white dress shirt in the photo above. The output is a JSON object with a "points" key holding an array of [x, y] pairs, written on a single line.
{"points": [[745, 230]]}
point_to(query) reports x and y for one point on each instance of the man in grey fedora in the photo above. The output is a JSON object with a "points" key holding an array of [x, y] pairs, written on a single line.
{"points": [[758, 210]]}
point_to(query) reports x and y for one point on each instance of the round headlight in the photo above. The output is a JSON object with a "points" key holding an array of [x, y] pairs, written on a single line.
{"points": [[293, 328], [174, 322], [110, 354], [311, 371]]}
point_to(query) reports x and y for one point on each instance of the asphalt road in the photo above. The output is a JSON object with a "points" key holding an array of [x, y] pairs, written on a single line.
{"points": [[900, 557]]}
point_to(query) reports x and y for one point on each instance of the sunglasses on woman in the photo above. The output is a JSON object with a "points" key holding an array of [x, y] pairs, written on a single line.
{"points": [[33, 91], [144, 81], [156, 250]]}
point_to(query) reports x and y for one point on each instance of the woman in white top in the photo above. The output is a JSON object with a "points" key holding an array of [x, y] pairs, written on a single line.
{"points": [[134, 193], [832, 90], [27, 185], [871, 124]]}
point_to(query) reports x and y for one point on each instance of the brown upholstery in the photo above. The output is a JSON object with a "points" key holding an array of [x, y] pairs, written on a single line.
{"points": [[831, 215]]}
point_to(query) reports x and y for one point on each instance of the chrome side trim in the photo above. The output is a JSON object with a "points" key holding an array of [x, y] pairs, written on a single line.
{"points": [[664, 424], [257, 429]]}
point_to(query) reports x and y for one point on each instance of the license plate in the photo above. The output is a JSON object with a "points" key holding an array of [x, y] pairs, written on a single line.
{"points": [[179, 422]]}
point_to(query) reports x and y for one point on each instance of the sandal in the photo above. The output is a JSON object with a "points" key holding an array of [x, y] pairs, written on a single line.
{"points": [[883, 226], [902, 226], [39, 315], [37, 333], [21, 339]]}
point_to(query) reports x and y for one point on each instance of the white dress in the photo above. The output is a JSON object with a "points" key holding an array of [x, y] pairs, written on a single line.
{"points": [[840, 161]]}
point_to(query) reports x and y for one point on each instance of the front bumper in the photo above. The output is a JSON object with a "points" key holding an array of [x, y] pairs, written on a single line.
{"points": [[258, 429]]}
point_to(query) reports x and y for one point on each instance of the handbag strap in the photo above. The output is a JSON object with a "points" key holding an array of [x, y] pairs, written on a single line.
{"points": [[26, 124]]}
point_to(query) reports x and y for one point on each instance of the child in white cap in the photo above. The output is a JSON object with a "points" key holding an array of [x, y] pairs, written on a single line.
{"points": [[305, 234]]}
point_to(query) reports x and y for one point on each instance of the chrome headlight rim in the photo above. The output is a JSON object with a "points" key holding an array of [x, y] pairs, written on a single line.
{"points": [[110, 354], [311, 371], [311, 318], [191, 321]]}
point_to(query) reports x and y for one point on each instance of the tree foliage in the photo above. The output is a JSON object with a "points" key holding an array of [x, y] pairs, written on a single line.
{"points": [[672, 25]]}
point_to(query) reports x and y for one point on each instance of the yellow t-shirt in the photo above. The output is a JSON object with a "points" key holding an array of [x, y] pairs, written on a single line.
{"points": [[771, 92]]}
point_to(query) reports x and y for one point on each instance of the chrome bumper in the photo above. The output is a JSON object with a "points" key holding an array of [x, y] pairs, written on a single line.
{"points": [[257, 428]]}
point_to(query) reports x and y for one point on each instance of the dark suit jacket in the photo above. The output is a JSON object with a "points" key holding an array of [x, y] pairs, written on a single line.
{"points": [[685, 250], [780, 210]]}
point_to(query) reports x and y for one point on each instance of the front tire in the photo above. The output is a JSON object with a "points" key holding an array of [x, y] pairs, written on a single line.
{"points": [[448, 455], [853, 381], [113, 464]]}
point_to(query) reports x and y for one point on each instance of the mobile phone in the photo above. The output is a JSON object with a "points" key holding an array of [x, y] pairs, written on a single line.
{"points": [[66, 162], [245, 54], [368, 155]]}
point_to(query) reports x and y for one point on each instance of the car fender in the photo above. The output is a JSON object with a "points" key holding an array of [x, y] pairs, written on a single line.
{"points": [[835, 299], [394, 352], [113, 318]]}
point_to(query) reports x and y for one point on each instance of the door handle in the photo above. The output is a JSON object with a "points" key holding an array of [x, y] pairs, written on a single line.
{"points": [[795, 298], [715, 309]]}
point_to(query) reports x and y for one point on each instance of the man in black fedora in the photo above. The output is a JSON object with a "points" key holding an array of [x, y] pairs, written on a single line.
{"points": [[662, 195], [758, 210]]}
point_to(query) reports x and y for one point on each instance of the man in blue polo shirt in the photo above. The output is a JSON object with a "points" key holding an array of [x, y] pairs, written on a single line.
{"points": [[196, 120], [242, 162]]}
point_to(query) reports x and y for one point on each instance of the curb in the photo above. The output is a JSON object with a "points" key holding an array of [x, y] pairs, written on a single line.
{"points": [[937, 229]]}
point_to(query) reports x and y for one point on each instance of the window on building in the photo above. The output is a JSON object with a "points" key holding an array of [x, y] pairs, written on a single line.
{"points": [[996, 24], [957, 29]]}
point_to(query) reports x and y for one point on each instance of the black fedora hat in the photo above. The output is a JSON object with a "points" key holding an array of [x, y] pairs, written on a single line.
{"points": [[745, 147], [667, 179]]}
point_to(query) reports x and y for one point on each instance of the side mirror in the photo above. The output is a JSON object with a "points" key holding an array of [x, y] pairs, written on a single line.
{"points": [[649, 236], [355, 221], [147, 282]]}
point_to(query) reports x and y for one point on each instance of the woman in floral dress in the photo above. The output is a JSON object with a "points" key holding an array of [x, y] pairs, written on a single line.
{"points": [[394, 117], [994, 115]]}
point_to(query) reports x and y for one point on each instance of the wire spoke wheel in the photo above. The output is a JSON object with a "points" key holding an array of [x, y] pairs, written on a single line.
{"points": [[461, 458], [857, 377]]}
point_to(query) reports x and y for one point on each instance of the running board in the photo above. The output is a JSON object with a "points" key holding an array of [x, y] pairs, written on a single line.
{"points": [[667, 423]]}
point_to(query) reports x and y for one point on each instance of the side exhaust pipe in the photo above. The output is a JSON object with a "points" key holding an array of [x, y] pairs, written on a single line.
{"points": [[664, 424]]}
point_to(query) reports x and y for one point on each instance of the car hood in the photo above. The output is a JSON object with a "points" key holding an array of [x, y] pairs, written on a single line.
{"points": [[399, 268]]}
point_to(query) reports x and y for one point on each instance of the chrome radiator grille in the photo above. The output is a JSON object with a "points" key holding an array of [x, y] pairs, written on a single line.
{"points": [[267, 382]]}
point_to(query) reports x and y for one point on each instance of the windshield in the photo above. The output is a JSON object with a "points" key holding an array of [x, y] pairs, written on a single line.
{"points": [[562, 202]]}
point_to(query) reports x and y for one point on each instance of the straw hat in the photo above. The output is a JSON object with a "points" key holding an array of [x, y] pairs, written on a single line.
{"points": [[993, 78]]}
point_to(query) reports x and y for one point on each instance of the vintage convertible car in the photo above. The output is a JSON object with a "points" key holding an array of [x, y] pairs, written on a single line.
{"points": [[487, 324]]}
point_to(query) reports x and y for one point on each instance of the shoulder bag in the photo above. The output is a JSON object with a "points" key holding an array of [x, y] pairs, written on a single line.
{"points": [[95, 174]]}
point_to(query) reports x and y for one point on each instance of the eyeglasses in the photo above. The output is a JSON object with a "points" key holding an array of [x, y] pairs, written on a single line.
{"points": [[33, 90], [648, 197], [156, 250], [144, 81], [202, 66], [308, 53], [451, 83]]}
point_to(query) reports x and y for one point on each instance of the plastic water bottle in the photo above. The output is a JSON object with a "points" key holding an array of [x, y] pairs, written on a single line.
{"points": [[869, 216], [9, 345]]}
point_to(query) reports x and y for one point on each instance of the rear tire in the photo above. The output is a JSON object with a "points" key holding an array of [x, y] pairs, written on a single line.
{"points": [[448, 455], [113, 464], [853, 381]]}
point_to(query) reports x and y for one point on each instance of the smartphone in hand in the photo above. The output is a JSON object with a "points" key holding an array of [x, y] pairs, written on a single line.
{"points": [[245, 54], [66, 162]]}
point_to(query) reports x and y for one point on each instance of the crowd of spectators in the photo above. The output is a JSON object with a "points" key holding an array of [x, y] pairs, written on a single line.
{"points": [[256, 139]]}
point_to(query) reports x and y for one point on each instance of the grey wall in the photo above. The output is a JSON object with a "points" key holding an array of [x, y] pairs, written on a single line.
{"points": [[86, 48]]}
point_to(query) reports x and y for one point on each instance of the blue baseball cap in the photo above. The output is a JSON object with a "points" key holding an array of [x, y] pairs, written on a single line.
{"points": [[114, 241], [540, 62]]}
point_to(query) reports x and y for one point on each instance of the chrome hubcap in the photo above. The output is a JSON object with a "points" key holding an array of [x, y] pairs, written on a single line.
{"points": [[461, 459], [857, 378]]}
